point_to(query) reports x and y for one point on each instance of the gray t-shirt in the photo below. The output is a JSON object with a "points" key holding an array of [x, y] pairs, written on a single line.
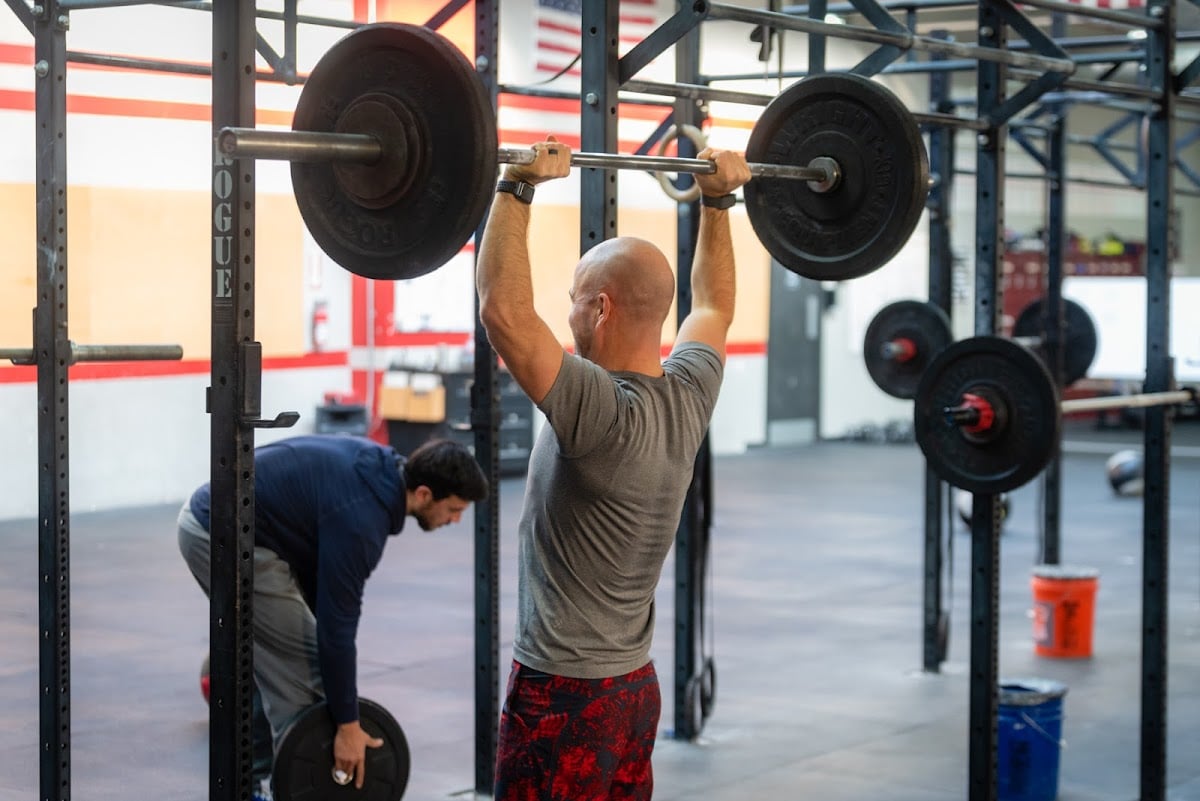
{"points": [[607, 480]]}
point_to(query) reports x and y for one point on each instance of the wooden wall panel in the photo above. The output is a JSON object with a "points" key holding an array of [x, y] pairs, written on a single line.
{"points": [[139, 269]]}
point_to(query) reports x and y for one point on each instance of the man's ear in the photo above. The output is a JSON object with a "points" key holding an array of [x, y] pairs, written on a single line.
{"points": [[422, 495], [605, 303]]}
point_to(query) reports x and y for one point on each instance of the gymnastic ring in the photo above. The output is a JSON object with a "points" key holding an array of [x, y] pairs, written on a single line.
{"points": [[700, 141]]}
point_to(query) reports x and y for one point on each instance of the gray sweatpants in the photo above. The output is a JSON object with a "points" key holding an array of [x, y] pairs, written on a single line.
{"points": [[286, 669]]}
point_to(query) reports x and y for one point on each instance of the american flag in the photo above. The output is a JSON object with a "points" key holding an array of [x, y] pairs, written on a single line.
{"points": [[558, 35]]}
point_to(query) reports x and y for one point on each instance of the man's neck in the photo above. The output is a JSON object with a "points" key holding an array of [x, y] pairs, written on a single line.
{"points": [[622, 360]]}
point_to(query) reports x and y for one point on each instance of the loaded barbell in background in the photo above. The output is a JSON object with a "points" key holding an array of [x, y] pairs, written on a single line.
{"points": [[1079, 342], [987, 414], [901, 340], [394, 160], [906, 336]]}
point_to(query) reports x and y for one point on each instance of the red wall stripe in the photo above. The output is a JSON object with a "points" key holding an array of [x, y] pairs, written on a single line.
{"points": [[107, 371], [16, 100], [92, 371]]}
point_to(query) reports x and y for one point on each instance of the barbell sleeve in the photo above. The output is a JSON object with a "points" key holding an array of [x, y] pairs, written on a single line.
{"points": [[969, 414], [962, 416], [1129, 401], [18, 355], [126, 353], [975, 415], [312, 146], [901, 349], [102, 353]]}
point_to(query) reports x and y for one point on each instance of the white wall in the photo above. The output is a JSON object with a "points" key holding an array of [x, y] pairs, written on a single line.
{"points": [[1118, 307], [139, 441], [740, 419], [849, 398]]}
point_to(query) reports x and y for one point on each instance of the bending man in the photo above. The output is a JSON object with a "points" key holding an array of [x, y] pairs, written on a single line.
{"points": [[324, 508]]}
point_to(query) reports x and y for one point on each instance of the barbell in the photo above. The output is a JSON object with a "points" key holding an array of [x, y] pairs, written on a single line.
{"points": [[901, 340], [822, 173], [77, 353], [1079, 343], [987, 414], [394, 158], [904, 337]]}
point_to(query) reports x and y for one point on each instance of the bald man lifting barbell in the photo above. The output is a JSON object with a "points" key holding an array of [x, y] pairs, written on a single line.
{"points": [[607, 479]]}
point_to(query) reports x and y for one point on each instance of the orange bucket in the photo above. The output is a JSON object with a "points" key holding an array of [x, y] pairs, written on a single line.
{"points": [[1064, 604]]}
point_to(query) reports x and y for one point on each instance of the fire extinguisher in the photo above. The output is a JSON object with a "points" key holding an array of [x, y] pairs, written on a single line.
{"points": [[320, 326]]}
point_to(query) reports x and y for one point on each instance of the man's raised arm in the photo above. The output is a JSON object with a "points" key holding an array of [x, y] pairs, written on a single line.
{"points": [[503, 275], [713, 279]]}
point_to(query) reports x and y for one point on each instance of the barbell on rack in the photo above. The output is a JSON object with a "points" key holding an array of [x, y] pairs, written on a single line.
{"points": [[1079, 343], [901, 340], [100, 353], [987, 414], [394, 160], [906, 336]]}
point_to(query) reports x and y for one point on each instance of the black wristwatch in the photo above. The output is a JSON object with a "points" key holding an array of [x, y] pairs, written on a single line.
{"points": [[518, 189], [721, 202]]}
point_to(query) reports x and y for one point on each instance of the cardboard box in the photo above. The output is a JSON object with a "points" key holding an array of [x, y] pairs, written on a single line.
{"points": [[413, 397], [426, 406], [393, 402]]}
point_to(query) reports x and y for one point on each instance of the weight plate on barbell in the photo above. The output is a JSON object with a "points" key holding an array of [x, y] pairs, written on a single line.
{"points": [[304, 759], [414, 208], [1012, 378], [863, 221], [922, 328], [1079, 342]]}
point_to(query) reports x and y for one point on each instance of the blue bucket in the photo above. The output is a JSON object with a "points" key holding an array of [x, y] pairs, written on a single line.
{"points": [[1029, 739]]}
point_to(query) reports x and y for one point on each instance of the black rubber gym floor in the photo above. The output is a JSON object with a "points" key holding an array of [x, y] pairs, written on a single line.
{"points": [[816, 620]]}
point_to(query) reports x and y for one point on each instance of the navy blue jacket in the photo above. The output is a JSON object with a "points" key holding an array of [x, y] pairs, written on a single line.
{"points": [[326, 504]]}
